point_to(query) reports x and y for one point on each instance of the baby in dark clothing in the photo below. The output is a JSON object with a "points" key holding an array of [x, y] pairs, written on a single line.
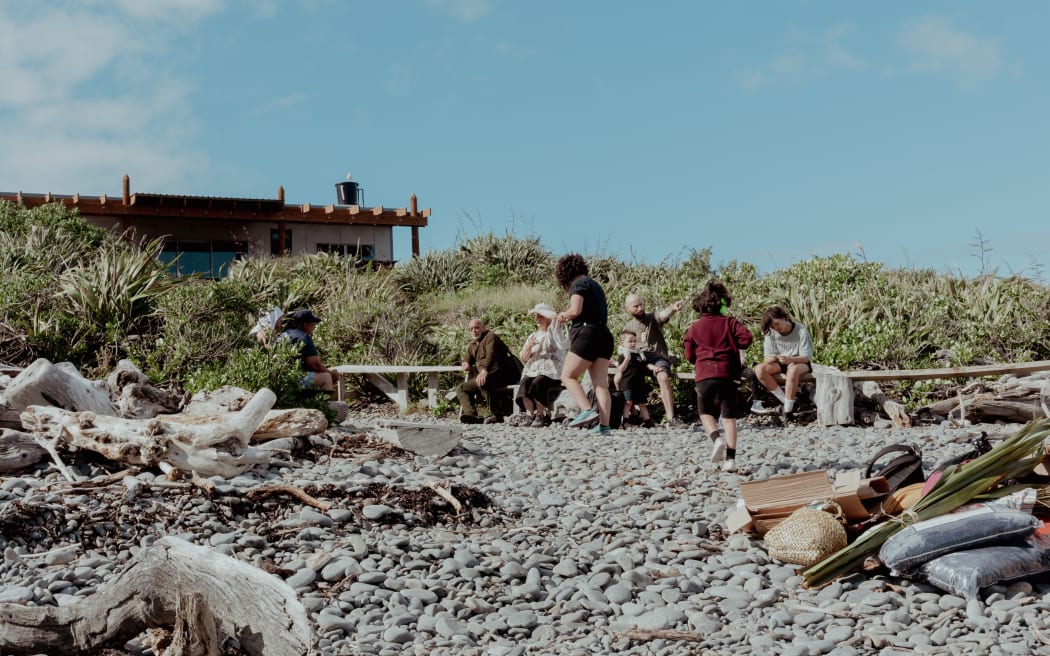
{"points": [[632, 376]]}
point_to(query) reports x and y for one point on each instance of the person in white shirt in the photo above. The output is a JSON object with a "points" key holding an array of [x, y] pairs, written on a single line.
{"points": [[788, 350]]}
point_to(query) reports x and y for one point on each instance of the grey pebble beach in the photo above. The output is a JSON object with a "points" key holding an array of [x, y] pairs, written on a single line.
{"points": [[594, 545]]}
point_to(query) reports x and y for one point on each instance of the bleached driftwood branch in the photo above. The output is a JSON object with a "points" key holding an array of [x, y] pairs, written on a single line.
{"points": [[171, 584], [208, 445]]}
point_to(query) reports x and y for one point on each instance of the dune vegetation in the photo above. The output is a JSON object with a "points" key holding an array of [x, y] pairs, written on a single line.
{"points": [[73, 292]]}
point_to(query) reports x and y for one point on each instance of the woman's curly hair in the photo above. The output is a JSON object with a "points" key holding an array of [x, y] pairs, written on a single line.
{"points": [[569, 268]]}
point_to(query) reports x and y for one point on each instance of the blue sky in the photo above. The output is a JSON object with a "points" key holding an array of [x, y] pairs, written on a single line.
{"points": [[769, 131]]}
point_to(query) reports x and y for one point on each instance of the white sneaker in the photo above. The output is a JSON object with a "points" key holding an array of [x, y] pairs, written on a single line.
{"points": [[758, 409], [729, 466], [718, 451]]}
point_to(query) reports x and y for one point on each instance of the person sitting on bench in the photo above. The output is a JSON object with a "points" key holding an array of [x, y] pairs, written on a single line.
{"points": [[490, 368], [299, 327], [787, 350]]}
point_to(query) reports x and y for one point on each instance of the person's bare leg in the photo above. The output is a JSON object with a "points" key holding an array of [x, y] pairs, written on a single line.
{"points": [[599, 370], [570, 378], [323, 381], [792, 378], [710, 423], [764, 372], [666, 393]]}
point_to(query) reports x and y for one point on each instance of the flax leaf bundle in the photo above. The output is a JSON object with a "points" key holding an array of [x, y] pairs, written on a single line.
{"points": [[1014, 457]]}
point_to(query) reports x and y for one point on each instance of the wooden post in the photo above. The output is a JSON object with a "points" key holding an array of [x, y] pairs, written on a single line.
{"points": [[834, 396], [413, 205]]}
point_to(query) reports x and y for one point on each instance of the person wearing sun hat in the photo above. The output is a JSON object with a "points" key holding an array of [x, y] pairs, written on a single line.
{"points": [[543, 355], [299, 327], [269, 323]]}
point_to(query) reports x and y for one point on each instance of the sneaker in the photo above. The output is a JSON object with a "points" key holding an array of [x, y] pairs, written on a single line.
{"points": [[519, 420], [648, 423], [718, 451], [494, 419], [758, 409], [729, 466], [469, 419], [539, 421], [600, 430], [585, 417], [675, 422]]}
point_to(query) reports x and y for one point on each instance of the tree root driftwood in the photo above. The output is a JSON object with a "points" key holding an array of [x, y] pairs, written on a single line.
{"points": [[208, 445], [173, 584]]}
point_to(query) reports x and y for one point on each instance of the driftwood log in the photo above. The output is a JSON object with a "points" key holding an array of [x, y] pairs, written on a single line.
{"points": [[419, 438], [8, 417], [172, 584], [207, 444], [136, 398], [987, 406], [1009, 399], [290, 422], [18, 450], [58, 385], [897, 413], [833, 396]]}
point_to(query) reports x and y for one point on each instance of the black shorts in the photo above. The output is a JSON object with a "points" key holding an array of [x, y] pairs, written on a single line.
{"points": [[591, 341], [784, 367], [660, 361], [718, 397]]}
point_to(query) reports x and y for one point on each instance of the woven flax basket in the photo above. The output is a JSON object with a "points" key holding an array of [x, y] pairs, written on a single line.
{"points": [[806, 536]]}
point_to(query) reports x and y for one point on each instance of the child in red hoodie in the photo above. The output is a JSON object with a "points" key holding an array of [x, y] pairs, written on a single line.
{"points": [[713, 344]]}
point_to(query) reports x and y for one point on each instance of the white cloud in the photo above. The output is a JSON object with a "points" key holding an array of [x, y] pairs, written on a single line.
{"points": [[810, 56], [838, 55], [86, 95], [45, 57], [465, 10], [938, 47], [164, 10], [287, 100]]}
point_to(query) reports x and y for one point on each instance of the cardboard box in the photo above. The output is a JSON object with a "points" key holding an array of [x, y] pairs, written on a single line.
{"points": [[770, 501]]}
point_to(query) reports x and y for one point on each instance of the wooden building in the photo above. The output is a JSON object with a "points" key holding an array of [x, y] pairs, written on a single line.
{"points": [[207, 233]]}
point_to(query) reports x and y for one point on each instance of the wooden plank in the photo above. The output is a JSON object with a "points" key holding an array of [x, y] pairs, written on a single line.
{"points": [[394, 369], [420, 438], [975, 371]]}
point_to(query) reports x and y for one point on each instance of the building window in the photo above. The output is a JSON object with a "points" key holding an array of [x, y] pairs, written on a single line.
{"points": [[275, 242], [210, 259], [363, 252]]}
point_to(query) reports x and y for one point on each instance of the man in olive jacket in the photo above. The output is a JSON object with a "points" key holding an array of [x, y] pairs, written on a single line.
{"points": [[490, 368]]}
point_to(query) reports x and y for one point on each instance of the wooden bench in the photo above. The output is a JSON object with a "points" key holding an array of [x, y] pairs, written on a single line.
{"points": [[834, 395], [379, 375]]}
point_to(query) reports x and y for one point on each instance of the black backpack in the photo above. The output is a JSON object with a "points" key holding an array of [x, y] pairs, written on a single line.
{"points": [[902, 471], [616, 415]]}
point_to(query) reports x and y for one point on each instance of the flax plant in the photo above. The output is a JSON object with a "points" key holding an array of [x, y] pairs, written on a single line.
{"points": [[1014, 457]]}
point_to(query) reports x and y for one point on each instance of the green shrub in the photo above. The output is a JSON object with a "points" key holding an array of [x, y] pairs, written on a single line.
{"points": [[197, 322], [275, 367], [435, 272], [507, 260]]}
